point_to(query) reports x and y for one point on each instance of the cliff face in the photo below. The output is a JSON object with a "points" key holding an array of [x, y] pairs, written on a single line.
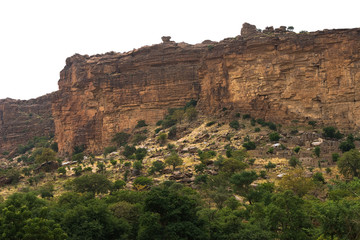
{"points": [[105, 94], [275, 75], [286, 76], [21, 120]]}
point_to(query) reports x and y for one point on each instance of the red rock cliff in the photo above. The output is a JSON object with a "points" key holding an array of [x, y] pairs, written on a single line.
{"points": [[105, 94], [22, 120], [274, 74]]}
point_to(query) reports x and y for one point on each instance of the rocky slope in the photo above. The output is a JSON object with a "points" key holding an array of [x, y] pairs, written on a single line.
{"points": [[21, 120], [275, 74]]}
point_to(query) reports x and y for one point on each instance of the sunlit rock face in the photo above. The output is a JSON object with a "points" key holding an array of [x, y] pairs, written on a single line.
{"points": [[274, 74]]}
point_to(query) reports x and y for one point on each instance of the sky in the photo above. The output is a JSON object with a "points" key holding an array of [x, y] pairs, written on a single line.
{"points": [[37, 36]]}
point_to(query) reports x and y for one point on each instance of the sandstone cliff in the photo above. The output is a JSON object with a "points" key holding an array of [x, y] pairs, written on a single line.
{"points": [[272, 74], [105, 94], [275, 74], [22, 120]]}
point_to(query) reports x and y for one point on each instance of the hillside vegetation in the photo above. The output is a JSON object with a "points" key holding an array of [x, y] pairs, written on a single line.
{"points": [[188, 177]]}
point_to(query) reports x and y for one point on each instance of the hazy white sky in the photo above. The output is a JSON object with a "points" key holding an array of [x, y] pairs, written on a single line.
{"points": [[37, 36]]}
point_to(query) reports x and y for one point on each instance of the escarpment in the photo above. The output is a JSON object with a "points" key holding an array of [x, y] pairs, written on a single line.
{"points": [[21, 120], [105, 94], [274, 74]]}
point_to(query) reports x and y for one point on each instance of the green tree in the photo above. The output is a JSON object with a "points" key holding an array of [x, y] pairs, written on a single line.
{"points": [[331, 132], [191, 114], [312, 123], [121, 138], [274, 136], [347, 145], [157, 166], [108, 150], [93, 183], [43, 229], [242, 181], [143, 181], [349, 163], [140, 123], [287, 216], [174, 160], [47, 155], [171, 211], [293, 161], [317, 151], [249, 145], [234, 124], [162, 138]]}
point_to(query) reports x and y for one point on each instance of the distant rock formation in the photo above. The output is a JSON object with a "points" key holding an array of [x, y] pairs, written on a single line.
{"points": [[21, 120], [273, 74]]}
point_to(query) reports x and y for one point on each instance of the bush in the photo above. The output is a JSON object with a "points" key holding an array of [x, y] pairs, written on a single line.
{"points": [[191, 113], [210, 123], [159, 123], [257, 129], [158, 130], [137, 165], [263, 174], [77, 170], [274, 136], [172, 133], [108, 150], [297, 149], [113, 162], [317, 151], [272, 126], [121, 138], [335, 157], [251, 161], [318, 177], [294, 162], [312, 123], [141, 123], [162, 138], [93, 183], [270, 150], [200, 168], [206, 155], [253, 122], [54, 146], [143, 181], [270, 165], [246, 116], [137, 138], [118, 184], [346, 146], [331, 132], [249, 145], [237, 115], [234, 124], [79, 157], [78, 149], [140, 153], [129, 151], [62, 171], [294, 132], [157, 166], [168, 123]]}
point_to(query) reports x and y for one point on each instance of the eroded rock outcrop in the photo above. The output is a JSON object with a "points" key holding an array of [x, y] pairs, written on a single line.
{"points": [[105, 94], [21, 120], [276, 75]]}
